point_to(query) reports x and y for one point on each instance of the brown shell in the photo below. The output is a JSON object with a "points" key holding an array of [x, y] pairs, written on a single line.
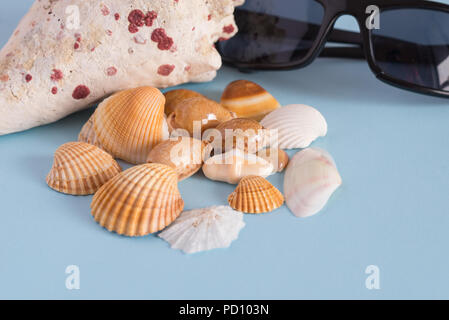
{"points": [[206, 112], [248, 100], [141, 200], [247, 135], [174, 97], [81, 169], [184, 154], [277, 157], [255, 194]]}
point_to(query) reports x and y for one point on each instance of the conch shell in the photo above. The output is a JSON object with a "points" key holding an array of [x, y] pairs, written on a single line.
{"points": [[298, 125], [310, 180], [81, 169], [174, 97], [184, 154], [248, 100], [233, 165], [128, 124], [139, 201], [200, 111], [255, 195], [204, 229], [66, 55]]}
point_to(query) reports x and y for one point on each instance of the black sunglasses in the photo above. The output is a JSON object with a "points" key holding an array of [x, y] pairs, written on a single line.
{"points": [[406, 43]]}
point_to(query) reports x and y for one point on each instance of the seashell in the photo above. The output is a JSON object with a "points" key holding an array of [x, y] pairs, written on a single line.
{"points": [[245, 134], [139, 201], [277, 157], [248, 100], [255, 194], [174, 97], [310, 180], [184, 154], [128, 124], [233, 165], [298, 125], [81, 169], [200, 113], [88, 135], [204, 229]]}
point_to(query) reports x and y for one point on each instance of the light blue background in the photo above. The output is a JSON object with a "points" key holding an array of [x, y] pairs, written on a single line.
{"points": [[392, 211]]}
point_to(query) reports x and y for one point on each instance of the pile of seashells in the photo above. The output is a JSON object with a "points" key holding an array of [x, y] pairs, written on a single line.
{"points": [[171, 137]]}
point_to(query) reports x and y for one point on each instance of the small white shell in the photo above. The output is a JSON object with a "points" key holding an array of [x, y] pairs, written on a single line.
{"points": [[310, 180], [204, 229], [298, 125]]}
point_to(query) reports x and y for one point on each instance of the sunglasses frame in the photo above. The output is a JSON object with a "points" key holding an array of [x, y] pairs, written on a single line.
{"points": [[334, 9]]}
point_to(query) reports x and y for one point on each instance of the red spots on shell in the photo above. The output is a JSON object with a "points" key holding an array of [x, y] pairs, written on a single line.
{"points": [[117, 16], [76, 46], [222, 39], [56, 75], [138, 19], [54, 90], [187, 68], [4, 78], [164, 42], [149, 18], [28, 77], [111, 71], [229, 29], [133, 28], [105, 10], [81, 92], [209, 17], [165, 69], [109, 32]]}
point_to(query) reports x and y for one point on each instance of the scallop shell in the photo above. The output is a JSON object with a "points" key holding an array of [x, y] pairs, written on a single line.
{"points": [[255, 194], [88, 135], [204, 229], [248, 100], [310, 180], [129, 124], [81, 169], [277, 157], [298, 125], [139, 201], [200, 113], [233, 165], [184, 154], [245, 134], [174, 97]]}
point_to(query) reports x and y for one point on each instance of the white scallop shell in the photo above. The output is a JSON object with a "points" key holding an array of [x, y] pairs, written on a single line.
{"points": [[204, 229], [298, 125], [310, 180]]}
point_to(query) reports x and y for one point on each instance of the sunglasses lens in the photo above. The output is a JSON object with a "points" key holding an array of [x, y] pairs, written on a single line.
{"points": [[412, 45], [273, 31]]}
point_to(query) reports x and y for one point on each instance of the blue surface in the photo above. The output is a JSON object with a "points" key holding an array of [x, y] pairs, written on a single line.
{"points": [[392, 211]]}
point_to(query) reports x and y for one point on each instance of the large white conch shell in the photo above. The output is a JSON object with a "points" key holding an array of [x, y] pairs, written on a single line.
{"points": [[233, 165], [310, 180], [67, 55], [204, 229], [298, 125]]}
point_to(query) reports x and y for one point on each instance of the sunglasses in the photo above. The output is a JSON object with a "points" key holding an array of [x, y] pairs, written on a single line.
{"points": [[406, 43]]}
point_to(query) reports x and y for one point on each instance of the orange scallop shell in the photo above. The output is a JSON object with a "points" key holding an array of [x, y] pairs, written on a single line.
{"points": [[139, 201], [255, 194], [81, 169], [128, 124]]}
